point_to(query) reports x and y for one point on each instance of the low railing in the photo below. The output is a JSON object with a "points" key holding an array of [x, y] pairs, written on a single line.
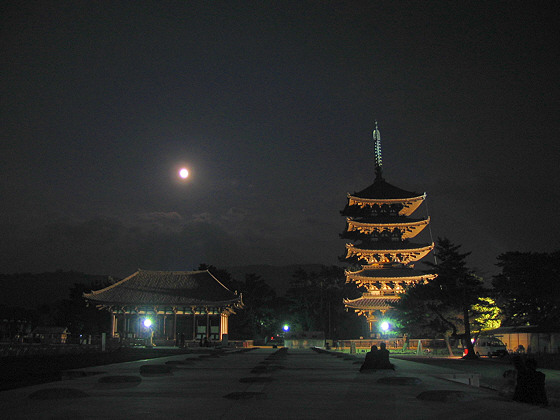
{"points": [[94, 343]]}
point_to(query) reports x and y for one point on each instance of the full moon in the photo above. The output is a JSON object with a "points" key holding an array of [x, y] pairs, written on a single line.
{"points": [[183, 173]]}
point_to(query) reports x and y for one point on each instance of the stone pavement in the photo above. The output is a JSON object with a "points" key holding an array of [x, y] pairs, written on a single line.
{"points": [[261, 384]]}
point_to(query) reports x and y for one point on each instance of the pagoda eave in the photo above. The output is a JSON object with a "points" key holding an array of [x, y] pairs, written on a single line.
{"points": [[371, 304], [404, 279], [409, 204], [377, 256], [409, 230]]}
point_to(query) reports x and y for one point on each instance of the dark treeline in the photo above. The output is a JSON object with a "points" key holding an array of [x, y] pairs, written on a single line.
{"points": [[313, 302], [51, 299], [456, 304]]}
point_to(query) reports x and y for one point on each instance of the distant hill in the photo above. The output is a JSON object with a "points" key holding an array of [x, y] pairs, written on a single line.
{"points": [[28, 290], [277, 277]]}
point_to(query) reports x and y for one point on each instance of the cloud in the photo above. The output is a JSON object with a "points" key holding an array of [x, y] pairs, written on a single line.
{"points": [[235, 214], [103, 245], [162, 240], [162, 221], [202, 218]]}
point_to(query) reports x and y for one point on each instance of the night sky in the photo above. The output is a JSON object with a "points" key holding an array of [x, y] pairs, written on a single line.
{"points": [[271, 106]]}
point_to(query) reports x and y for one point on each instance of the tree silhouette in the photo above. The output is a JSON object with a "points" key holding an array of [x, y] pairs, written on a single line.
{"points": [[314, 302], [259, 317], [528, 288], [444, 305]]}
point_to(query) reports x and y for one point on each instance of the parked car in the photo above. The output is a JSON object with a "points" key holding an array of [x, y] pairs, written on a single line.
{"points": [[490, 346]]}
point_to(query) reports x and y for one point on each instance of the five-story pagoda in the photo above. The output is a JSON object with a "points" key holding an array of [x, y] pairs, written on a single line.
{"points": [[381, 255]]}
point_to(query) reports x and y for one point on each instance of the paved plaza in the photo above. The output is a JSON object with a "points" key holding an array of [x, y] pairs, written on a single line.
{"points": [[262, 384]]}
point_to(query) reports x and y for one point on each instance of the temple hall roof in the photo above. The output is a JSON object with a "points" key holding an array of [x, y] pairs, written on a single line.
{"points": [[168, 288]]}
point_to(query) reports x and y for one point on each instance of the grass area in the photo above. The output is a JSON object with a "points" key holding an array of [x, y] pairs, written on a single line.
{"points": [[411, 352], [544, 360]]}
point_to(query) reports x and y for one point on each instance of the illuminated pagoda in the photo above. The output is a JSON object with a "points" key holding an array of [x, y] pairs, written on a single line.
{"points": [[189, 304], [381, 255]]}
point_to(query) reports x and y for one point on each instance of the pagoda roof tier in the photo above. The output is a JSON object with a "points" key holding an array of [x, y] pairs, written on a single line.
{"points": [[390, 246], [409, 204], [409, 228], [383, 190], [386, 252], [166, 289], [392, 274], [368, 303]]}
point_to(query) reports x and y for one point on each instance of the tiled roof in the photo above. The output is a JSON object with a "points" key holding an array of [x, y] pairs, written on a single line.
{"points": [[371, 303], [387, 219], [391, 246], [174, 288], [391, 273], [381, 189]]}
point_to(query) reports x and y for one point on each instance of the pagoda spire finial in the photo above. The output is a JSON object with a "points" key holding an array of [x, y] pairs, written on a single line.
{"points": [[377, 148]]}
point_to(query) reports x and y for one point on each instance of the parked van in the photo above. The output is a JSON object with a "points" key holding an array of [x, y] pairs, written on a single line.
{"points": [[488, 345]]}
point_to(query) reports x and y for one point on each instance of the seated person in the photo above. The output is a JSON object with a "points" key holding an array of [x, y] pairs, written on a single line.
{"points": [[383, 355], [530, 386], [371, 361]]}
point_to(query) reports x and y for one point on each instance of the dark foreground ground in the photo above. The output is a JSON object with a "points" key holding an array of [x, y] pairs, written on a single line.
{"points": [[16, 372], [264, 384], [491, 371]]}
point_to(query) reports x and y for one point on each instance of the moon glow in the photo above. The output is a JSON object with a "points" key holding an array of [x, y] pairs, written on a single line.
{"points": [[183, 173]]}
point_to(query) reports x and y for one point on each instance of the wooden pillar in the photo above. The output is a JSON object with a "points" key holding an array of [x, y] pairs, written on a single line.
{"points": [[371, 319], [175, 326], [113, 325], [157, 326], [224, 324], [138, 325], [207, 324], [194, 324]]}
